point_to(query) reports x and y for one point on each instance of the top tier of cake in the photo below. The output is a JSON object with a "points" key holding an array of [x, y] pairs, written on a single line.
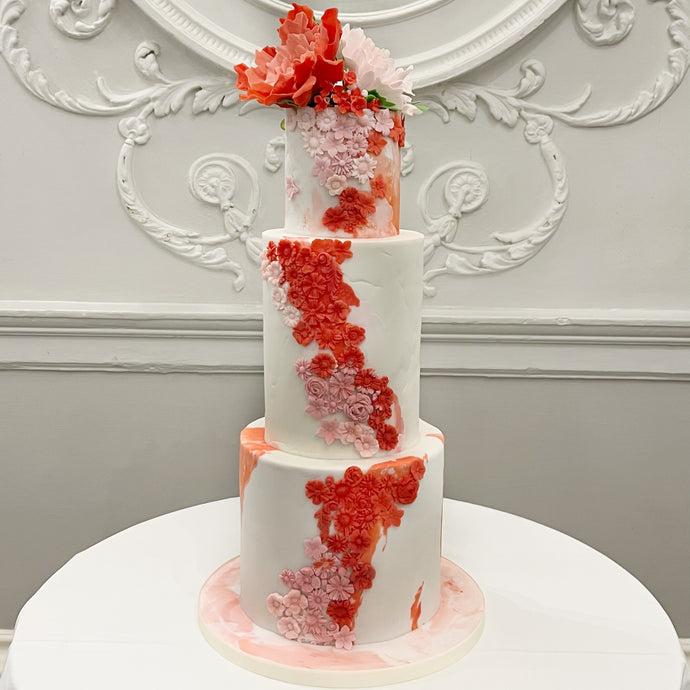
{"points": [[342, 172]]}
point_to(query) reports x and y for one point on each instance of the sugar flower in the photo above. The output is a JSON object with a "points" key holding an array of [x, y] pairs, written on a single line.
{"points": [[376, 70]]}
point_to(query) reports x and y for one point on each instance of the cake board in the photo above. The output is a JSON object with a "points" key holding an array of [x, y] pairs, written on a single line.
{"points": [[443, 640]]}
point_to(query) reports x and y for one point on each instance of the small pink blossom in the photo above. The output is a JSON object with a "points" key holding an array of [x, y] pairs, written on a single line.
{"points": [[344, 638], [317, 408], [336, 184], [341, 384], [274, 603], [367, 445], [279, 296], [359, 143], [294, 602], [329, 430], [325, 119], [341, 163], [288, 578], [363, 168], [332, 146], [291, 188], [289, 628], [344, 126], [349, 432], [272, 272], [321, 169], [291, 316], [384, 122], [339, 588], [314, 623], [305, 118], [313, 142], [306, 580], [318, 599], [314, 549], [303, 368]]}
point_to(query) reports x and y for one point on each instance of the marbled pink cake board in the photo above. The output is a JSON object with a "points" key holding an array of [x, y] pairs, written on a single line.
{"points": [[440, 642]]}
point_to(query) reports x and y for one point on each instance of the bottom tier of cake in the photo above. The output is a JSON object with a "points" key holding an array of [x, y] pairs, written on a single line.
{"points": [[337, 552]]}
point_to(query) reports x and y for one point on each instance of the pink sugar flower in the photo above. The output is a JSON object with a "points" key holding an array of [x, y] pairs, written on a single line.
{"points": [[314, 623], [341, 163], [321, 169], [359, 143], [344, 638], [291, 188], [317, 408], [344, 126], [358, 407], [313, 142], [329, 430], [272, 272], [287, 577], [314, 549], [305, 117], [289, 628], [325, 119], [280, 298], [318, 600], [303, 368], [274, 603], [294, 602], [291, 316], [332, 146], [363, 168], [339, 588], [336, 184], [349, 432], [306, 580], [342, 382], [384, 122], [367, 446]]}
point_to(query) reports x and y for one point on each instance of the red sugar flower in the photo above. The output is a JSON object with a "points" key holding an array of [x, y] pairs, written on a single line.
{"points": [[302, 333], [379, 187], [387, 438], [315, 491], [376, 142], [300, 67], [362, 576], [405, 489], [323, 365], [342, 612]]}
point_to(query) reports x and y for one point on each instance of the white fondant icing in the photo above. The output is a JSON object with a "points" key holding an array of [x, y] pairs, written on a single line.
{"points": [[385, 274], [277, 518]]}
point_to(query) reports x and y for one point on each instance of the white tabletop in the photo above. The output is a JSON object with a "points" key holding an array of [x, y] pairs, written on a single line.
{"points": [[122, 614]]}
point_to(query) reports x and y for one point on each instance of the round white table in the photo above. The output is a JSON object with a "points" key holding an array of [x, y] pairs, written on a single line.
{"points": [[123, 614]]}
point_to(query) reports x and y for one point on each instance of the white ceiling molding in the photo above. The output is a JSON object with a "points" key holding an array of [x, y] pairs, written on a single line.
{"points": [[218, 32]]}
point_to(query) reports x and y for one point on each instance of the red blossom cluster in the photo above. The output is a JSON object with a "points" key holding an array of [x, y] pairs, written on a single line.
{"points": [[355, 512], [318, 290], [352, 211]]}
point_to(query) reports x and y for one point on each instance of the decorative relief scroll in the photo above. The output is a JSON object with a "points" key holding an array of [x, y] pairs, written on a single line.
{"points": [[464, 185]]}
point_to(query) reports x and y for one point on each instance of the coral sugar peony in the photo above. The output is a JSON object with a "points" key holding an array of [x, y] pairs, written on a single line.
{"points": [[303, 65]]}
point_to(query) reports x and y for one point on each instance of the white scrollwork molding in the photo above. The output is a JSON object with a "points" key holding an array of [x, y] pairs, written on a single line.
{"points": [[512, 248], [81, 18], [213, 178]]}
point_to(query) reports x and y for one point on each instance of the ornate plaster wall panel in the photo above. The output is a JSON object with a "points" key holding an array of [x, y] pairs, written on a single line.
{"points": [[226, 36]]}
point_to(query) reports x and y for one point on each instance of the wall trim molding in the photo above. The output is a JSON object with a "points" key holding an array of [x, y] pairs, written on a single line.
{"points": [[5, 640], [636, 344]]}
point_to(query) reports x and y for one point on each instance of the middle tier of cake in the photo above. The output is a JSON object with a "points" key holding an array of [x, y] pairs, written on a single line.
{"points": [[342, 326], [339, 547]]}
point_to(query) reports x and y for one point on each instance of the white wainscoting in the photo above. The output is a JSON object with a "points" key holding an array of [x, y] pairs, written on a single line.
{"points": [[203, 338]]}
